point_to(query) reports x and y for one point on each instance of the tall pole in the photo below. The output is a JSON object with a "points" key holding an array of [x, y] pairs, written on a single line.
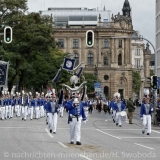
{"points": [[97, 61]]}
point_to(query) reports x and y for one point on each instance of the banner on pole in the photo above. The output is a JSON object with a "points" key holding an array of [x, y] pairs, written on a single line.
{"points": [[68, 64], [4, 73]]}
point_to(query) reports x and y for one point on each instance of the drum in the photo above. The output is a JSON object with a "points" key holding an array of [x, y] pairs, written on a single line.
{"points": [[123, 115]]}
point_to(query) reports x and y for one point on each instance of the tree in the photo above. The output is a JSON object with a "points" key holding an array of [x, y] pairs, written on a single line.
{"points": [[136, 81], [33, 56], [91, 79]]}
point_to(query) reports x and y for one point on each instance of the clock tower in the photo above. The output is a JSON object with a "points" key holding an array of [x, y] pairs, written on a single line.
{"points": [[126, 9]]}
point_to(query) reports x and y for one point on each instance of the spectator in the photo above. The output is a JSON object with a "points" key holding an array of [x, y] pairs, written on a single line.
{"points": [[131, 109]]}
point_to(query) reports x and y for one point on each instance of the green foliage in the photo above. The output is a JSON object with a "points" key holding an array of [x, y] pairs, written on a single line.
{"points": [[33, 56], [151, 72], [136, 81], [91, 79]]}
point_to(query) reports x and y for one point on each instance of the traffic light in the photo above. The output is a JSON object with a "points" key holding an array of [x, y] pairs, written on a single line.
{"points": [[89, 38], [8, 34], [155, 82]]}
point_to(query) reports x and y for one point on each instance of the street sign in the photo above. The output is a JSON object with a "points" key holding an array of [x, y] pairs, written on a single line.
{"points": [[97, 85], [97, 89]]}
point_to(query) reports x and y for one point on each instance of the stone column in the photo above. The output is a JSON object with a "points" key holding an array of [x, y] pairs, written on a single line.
{"points": [[115, 51], [82, 55], [129, 51], [125, 51], [112, 50]]}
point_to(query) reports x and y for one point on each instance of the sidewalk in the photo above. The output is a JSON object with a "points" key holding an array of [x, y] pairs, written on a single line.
{"points": [[138, 121]]}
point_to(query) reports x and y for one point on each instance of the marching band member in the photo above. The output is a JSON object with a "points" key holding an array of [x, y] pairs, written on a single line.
{"points": [[86, 107], [50, 108], [112, 106], [17, 102], [45, 107], [119, 106], [61, 109], [12, 105], [6, 105], [2, 104], [25, 106], [75, 116], [9, 105], [36, 107], [20, 104], [57, 106], [31, 106], [42, 105], [145, 113]]}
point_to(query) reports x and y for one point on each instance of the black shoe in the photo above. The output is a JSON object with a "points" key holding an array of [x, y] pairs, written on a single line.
{"points": [[120, 126], [46, 122], [54, 132], [113, 121], [72, 142], [50, 131], [78, 143], [117, 124], [148, 134], [22, 119], [142, 132], [130, 123]]}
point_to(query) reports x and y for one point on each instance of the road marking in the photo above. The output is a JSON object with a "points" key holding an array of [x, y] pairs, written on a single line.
{"points": [[107, 134], [143, 146], [14, 127], [155, 131], [121, 129], [84, 157], [139, 137], [48, 133], [63, 145]]}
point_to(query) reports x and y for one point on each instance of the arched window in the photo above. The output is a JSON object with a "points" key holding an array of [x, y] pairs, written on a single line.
{"points": [[120, 59], [90, 59], [105, 60], [106, 91], [76, 57]]}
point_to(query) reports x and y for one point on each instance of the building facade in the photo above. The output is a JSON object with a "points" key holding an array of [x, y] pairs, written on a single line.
{"points": [[142, 62], [157, 62], [110, 57]]}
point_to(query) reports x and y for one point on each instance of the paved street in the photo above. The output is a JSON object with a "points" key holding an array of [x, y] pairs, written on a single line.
{"points": [[101, 139]]}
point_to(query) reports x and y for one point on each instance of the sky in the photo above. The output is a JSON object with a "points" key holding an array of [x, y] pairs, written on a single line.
{"points": [[143, 11]]}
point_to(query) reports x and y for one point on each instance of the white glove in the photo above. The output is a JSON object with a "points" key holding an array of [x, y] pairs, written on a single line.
{"points": [[151, 109]]}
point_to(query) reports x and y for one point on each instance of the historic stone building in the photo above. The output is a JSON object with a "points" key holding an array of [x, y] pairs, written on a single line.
{"points": [[141, 62], [110, 57]]}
